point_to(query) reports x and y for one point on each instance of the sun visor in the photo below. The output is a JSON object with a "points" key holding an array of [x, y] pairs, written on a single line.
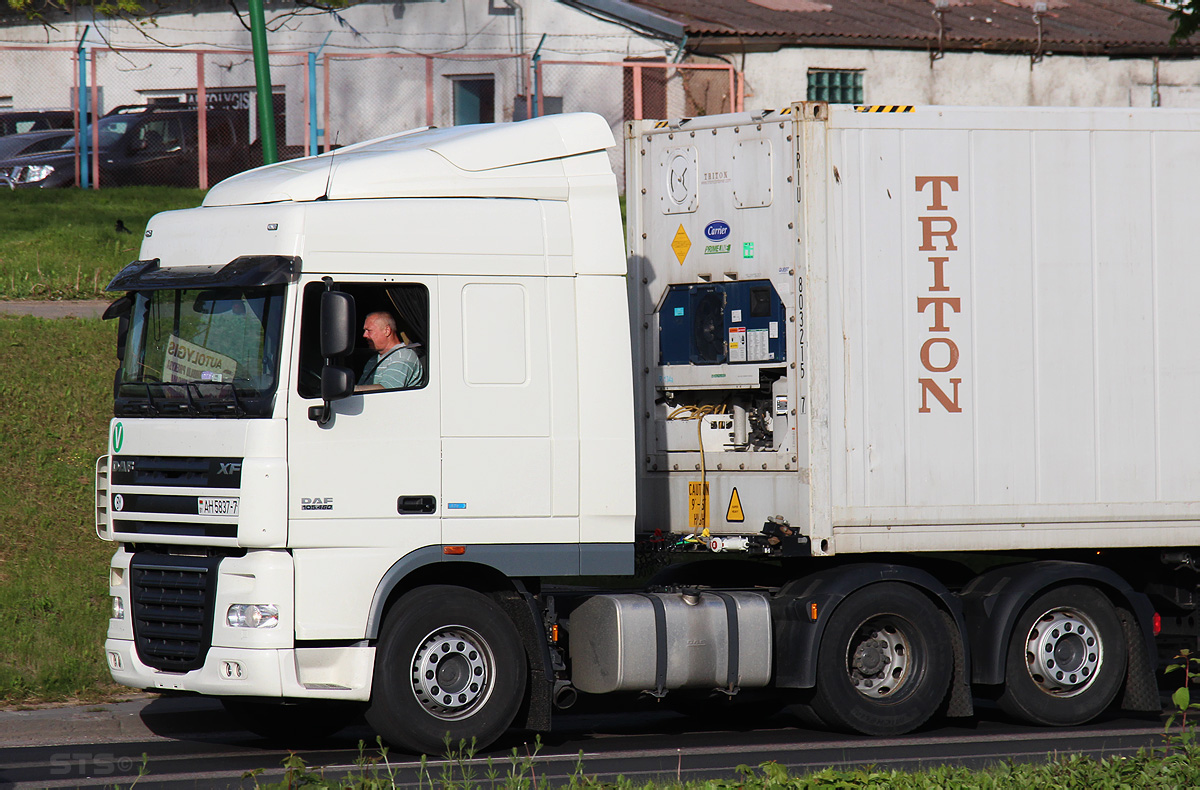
{"points": [[245, 272]]}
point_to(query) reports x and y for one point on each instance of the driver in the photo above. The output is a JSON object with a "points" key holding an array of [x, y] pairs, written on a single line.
{"points": [[396, 365]]}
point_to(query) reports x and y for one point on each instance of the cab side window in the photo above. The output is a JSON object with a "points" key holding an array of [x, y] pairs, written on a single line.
{"points": [[393, 346]]}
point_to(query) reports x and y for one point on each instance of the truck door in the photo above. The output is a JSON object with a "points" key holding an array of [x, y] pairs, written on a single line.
{"points": [[365, 488]]}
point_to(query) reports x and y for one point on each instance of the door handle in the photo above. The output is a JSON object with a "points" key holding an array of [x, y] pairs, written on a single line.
{"points": [[410, 505]]}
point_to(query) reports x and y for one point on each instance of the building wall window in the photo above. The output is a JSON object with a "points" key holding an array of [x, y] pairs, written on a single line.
{"points": [[474, 99], [836, 86]]}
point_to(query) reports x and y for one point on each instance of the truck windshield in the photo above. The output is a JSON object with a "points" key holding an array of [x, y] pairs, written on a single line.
{"points": [[201, 353]]}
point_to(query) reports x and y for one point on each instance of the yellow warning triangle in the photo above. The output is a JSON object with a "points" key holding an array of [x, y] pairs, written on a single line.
{"points": [[734, 512]]}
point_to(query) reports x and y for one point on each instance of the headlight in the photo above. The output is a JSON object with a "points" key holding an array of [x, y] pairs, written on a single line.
{"points": [[31, 174], [253, 615]]}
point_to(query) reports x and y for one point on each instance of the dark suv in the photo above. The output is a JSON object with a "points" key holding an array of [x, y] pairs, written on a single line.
{"points": [[143, 145], [17, 121]]}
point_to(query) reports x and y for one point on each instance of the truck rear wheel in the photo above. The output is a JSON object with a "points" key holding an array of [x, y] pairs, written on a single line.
{"points": [[449, 664], [884, 664], [1066, 658]]}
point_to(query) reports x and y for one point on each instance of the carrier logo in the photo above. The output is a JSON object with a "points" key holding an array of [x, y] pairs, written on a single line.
{"points": [[316, 503], [717, 230]]}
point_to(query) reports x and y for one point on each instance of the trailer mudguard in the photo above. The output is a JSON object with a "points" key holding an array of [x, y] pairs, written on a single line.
{"points": [[993, 601], [798, 638]]}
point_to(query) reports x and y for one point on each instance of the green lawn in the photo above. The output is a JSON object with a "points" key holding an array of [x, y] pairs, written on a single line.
{"points": [[63, 243], [55, 402]]}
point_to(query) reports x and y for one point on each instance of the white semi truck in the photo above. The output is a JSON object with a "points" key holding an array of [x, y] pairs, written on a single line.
{"points": [[886, 410]]}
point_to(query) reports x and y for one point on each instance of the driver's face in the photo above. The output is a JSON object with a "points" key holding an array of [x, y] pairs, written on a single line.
{"points": [[376, 334]]}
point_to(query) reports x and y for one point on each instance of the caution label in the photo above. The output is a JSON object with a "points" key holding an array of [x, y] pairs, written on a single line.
{"points": [[698, 506], [734, 513], [681, 244]]}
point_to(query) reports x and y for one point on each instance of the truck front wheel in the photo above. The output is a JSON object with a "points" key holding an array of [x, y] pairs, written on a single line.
{"points": [[884, 664], [1066, 658], [449, 664]]}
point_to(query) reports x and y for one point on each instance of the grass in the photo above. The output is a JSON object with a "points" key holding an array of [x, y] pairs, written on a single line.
{"points": [[55, 401], [63, 243]]}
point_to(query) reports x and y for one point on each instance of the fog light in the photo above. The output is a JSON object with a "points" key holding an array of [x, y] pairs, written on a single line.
{"points": [[114, 660], [253, 615], [231, 670], [118, 608]]}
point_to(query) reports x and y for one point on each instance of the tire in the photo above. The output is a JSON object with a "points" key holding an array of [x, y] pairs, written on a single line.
{"points": [[449, 664], [1066, 658], [884, 663], [291, 723]]}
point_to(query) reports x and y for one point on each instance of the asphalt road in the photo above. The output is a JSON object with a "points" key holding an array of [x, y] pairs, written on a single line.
{"points": [[190, 742]]}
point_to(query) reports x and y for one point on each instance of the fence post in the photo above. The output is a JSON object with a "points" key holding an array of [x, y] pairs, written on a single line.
{"points": [[201, 122], [325, 128], [537, 78], [428, 90], [310, 107], [94, 104], [637, 92]]}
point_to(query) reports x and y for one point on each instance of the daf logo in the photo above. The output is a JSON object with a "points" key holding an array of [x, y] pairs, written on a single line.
{"points": [[316, 503], [118, 502], [230, 468]]}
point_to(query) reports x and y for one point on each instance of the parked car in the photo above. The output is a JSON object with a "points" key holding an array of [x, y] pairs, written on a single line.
{"points": [[33, 142], [18, 121], [142, 145]]}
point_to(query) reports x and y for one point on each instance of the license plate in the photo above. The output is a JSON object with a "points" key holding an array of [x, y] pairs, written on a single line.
{"points": [[217, 506]]}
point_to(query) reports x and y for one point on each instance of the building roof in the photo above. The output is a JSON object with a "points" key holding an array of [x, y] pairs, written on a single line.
{"points": [[1116, 28]]}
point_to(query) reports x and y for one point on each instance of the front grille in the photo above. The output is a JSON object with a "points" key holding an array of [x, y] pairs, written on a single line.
{"points": [[173, 609], [178, 471], [125, 526]]}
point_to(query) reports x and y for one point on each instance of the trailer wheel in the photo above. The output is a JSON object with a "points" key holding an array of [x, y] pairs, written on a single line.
{"points": [[294, 724], [449, 663], [884, 664], [1066, 658]]}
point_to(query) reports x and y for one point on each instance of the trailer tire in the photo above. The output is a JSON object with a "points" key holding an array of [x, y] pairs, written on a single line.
{"points": [[884, 663], [293, 724], [449, 668], [1066, 658]]}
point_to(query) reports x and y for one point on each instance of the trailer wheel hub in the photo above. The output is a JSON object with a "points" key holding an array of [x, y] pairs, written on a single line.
{"points": [[452, 672], [1063, 651]]}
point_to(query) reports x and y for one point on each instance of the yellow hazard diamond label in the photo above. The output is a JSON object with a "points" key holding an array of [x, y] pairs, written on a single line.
{"points": [[681, 244], [734, 513]]}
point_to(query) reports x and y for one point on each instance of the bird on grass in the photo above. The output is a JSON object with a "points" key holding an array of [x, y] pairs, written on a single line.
{"points": [[121, 227]]}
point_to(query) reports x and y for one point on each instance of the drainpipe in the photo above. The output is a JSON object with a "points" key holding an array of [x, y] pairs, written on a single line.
{"points": [[519, 24]]}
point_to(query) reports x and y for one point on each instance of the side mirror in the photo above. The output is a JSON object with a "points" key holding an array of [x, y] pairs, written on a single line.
{"points": [[337, 324], [337, 382]]}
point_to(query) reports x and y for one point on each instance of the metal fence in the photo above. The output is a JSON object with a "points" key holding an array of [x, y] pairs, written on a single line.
{"points": [[325, 101]]}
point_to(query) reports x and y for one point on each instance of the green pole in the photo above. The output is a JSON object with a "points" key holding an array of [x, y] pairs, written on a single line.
{"points": [[262, 75]]}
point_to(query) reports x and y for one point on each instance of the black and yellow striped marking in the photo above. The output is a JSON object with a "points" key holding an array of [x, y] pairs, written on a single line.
{"points": [[662, 124], [884, 108]]}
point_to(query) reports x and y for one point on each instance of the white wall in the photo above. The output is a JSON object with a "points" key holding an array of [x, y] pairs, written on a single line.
{"points": [[776, 79]]}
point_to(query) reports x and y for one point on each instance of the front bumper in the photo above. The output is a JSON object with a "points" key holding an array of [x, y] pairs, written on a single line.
{"points": [[308, 673]]}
